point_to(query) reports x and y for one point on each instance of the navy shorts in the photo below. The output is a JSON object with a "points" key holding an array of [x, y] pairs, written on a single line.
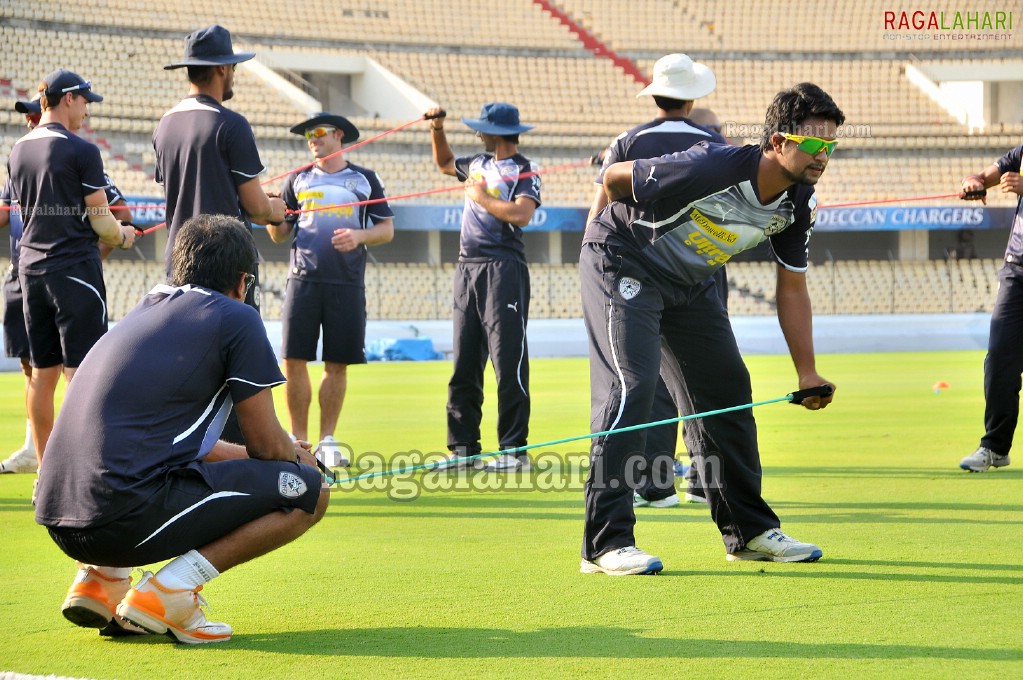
{"points": [[195, 506], [340, 310], [15, 333], [65, 313]]}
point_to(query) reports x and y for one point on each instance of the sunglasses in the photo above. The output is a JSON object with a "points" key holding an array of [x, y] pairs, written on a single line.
{"points": [[80, 86], [249, 280], [319, 132], [812, 145]]}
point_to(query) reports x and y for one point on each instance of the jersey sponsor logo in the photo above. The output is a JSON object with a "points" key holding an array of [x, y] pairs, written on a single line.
{"points": [[308, 195], [776, 225], [291, 485], [713, 229], [327, 209], [705, 247], [629, 287]]}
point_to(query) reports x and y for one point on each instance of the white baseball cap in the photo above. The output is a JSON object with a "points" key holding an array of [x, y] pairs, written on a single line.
{"points": [[679, 77]]}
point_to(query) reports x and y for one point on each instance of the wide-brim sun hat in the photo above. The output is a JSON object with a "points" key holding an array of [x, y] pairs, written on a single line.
{"points": [[676, 76], [348, 130], [497, 118], [210, 46]]}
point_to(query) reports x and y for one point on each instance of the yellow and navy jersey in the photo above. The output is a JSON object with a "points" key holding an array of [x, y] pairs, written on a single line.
{"points": [[691, 212], [1011, 162], [483, 236], [325, 199]]}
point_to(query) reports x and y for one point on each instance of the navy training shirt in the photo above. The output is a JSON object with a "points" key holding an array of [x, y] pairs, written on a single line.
{"points": [[1011, 162], [692, 211], [15, 225], [151, 396], [51, 171], [484, 237], [313, 256], [203, 153], [658, 137]]}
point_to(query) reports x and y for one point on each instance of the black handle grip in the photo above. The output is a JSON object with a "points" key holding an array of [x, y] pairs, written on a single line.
{"points": [[441, 114], [975, 195], [824, 390]]}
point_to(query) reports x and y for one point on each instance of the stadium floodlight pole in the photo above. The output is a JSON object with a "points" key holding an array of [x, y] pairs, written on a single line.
{"points": [[796, 397]]}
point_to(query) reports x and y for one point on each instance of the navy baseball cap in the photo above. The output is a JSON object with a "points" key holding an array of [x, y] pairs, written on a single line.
{"points": [[210, 46], [497, 118], [30, 107], [63, 81]]}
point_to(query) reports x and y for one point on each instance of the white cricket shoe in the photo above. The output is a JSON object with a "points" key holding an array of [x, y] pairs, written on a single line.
{"points": [[626, 561], [331, 454], [982, 459], [775, 546], [22, 460], [671, 501], [507, 462]]}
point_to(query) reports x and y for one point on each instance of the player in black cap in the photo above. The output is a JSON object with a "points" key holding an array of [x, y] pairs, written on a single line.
{"points": [[58, 181]]}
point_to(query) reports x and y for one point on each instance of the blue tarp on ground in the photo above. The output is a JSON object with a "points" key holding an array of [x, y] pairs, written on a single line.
{"points": [[401, 349]]}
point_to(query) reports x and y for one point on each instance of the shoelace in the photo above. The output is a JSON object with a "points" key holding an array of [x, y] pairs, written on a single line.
{"points": [[780, 537]]}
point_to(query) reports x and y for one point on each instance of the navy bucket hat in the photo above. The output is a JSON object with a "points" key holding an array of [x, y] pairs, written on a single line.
{"points": [[497, 118]]}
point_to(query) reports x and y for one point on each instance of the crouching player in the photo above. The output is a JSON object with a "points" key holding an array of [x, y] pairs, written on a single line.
{"points": [[134, 471]]}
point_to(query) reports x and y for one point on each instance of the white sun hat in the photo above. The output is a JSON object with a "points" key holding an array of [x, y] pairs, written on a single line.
{"points": [[679, 77]]}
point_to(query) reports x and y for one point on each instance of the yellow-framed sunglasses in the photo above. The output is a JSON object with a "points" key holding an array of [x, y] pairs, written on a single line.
{"points": [[812, 145], [318, 132]]}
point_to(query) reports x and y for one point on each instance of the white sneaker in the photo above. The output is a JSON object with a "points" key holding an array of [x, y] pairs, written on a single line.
{"points": [[671, 501], [982, 459], [507, 462], [623, 562], [459, 460], [693, 498], [22, 460], [775, 546], [331, 454]]}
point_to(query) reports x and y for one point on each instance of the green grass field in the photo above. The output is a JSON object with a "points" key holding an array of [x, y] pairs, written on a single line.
{"points": [[922, 574]]}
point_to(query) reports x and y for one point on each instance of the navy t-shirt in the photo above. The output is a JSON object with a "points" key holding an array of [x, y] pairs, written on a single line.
{"points": [[203, 153], [1010, 162], [151, 396], [313, 256], [484, 237], [658, 137], [690, 212], [51, 172], [15, 224]]}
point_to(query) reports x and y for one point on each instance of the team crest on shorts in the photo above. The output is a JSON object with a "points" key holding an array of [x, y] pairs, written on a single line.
{"points": [[291, 485], [629, 287]]}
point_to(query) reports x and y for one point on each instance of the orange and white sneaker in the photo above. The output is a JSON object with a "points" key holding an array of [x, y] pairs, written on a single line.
{"points": [[92, 600], [176, 613]]}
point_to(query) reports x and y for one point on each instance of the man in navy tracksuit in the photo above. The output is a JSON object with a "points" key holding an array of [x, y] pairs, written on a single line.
{"points": [[491, 287], [651, 309], [676, 83]]}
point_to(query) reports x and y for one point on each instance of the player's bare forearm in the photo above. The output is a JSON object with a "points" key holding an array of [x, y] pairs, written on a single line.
{"points": [[795, 316], [618, 181]]}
